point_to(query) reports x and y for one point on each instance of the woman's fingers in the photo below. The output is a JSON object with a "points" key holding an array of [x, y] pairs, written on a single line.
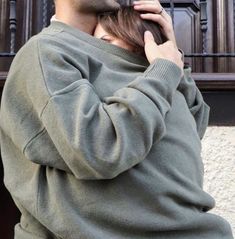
{"points": [[148, 7], [166, 51], [166, 25], [157, 18], [152, 7], [155, 14], [147, 2], [148, 37]]}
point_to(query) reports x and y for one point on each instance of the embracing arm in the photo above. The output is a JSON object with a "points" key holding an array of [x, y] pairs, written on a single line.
{"points": [[197, 106], [99, 139], [199, 109]]}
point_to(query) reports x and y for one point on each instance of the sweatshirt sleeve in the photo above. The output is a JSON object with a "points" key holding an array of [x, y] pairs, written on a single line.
{"points": [[197, 106], [99, 139]]}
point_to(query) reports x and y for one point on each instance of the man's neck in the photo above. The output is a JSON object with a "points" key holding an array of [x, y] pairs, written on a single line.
{"points": [[82, 21]]}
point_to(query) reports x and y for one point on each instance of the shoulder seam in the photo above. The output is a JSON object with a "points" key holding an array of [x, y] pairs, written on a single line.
{"points": [[40, 64], [64, 93]]}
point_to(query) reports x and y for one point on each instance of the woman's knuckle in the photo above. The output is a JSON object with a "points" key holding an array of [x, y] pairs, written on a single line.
{"points": [[156, 16], [168, 27]]}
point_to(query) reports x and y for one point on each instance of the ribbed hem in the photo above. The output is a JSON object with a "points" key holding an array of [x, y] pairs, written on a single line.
{"points": [[165, 70], [96, 42]]}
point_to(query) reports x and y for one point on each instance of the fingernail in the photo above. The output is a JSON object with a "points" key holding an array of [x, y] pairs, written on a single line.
{"points": [[148, 33]]}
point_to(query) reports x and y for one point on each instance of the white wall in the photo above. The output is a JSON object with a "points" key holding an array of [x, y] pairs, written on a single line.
{"points": [[218, 154]]}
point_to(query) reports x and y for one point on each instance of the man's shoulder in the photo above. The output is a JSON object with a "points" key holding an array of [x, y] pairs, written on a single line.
{"points": [[53, 41], [31, 47], [45, 37]]}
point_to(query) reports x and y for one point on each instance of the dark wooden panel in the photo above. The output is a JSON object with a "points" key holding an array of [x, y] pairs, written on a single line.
{"points": [[187, 29], [32, 16], [4, 34], [3, 24], [212, 82], [219, 36], [223, 26], [222, 107]]}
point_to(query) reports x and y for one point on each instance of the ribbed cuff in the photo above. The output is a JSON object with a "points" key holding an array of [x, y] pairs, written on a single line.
{"points": [[165, 70], [159, 82]]}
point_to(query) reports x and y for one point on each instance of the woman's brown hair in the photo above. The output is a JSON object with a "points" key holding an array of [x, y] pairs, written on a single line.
{"points": [[126, 24]]}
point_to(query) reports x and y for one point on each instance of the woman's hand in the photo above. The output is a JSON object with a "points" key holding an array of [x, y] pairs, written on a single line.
{"points": [[166, 51], [169, 49], [157, 14]]}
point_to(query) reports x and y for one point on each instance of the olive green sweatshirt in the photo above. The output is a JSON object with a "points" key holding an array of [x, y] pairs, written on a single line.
{"points": [[98, 144]]}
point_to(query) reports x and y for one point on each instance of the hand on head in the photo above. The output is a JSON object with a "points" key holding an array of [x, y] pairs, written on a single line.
{"points": [[166, 51], [156, 13], [169, 49], [118, 31]]}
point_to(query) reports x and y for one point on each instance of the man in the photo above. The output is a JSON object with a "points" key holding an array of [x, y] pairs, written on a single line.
{"points": [[97, 144]]}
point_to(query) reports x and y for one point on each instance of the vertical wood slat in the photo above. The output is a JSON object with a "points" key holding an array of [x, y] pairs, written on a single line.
{"points": [[3, 24], [209, 62], [4, 33], [221, 34], [45, 13], [13, 25], [204, 28], [234, 18], [28, 19], [230, 29]]}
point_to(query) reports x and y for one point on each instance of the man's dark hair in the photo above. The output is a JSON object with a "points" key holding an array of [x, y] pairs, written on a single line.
{"points": [[125, 3]]}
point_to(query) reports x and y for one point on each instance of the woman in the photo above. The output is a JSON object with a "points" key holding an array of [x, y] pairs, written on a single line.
{"points": [[126, 27]]}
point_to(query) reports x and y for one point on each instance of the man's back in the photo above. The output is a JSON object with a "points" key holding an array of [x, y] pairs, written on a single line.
{"points": [[96, 146]]}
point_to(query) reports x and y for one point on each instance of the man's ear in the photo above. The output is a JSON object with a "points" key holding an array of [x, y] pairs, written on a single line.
{"points": [[107, 5], [97, 5], [125, 3]]}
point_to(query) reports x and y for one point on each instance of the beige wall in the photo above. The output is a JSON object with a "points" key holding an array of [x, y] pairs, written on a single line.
{"points": [[218, 153]]}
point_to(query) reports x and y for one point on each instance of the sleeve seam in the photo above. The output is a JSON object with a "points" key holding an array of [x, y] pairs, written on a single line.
{"points": [[62, 93], [41, 67]]}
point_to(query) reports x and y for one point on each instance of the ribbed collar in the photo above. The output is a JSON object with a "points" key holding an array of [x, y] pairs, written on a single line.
{"points": [[107, 47]]}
